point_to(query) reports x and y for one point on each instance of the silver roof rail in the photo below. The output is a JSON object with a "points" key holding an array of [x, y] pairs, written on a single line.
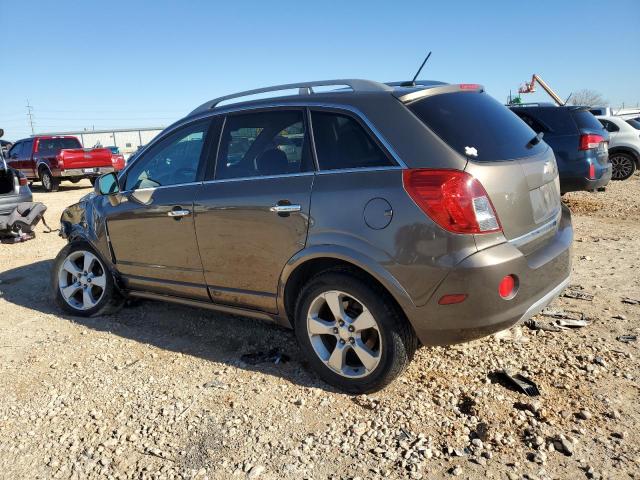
{"points": [[304, 88]]}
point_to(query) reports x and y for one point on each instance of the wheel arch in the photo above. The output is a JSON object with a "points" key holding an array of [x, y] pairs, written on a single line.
{"points": [[312, 261], [629, 151]]}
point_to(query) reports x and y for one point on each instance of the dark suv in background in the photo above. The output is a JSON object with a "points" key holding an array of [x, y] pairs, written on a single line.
{"points": [[578, 141], [370, 219]]}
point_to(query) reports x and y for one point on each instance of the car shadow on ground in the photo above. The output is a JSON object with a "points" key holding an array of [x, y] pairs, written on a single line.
{"points": [[207, 334]]}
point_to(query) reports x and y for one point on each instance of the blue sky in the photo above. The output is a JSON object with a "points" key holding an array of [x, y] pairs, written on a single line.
{"points": [[132, 64]]}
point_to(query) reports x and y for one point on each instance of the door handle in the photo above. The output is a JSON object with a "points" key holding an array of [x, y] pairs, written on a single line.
{"points": [[285, 208], [178, 213]]}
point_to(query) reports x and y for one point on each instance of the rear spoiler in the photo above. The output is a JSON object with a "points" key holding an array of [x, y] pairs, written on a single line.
{"points": [[437, 90]]}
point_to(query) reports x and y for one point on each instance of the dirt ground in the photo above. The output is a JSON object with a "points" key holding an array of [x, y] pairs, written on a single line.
{"points": [[160, 391]]}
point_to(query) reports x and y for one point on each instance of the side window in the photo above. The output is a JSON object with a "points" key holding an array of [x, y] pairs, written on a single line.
{"points": [[532, 122], [263, 143], [27, 148], [341, 142], [172, 161], [609, 126], [15, 151]]}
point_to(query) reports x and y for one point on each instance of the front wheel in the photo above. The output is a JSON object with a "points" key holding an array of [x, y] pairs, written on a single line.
{"points": [[352, 333], [82, 285], [622, 166], [49, 182]]}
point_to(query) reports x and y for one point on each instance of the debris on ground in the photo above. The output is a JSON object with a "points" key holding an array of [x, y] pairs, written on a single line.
{"points": [[630, 301], [578, 293], [539, 325], [627, 338], [563, 314], [519, 382], [571, 323], [272, 356]]}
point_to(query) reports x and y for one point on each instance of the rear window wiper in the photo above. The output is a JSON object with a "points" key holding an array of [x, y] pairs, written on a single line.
{"points": [[535, 140]]}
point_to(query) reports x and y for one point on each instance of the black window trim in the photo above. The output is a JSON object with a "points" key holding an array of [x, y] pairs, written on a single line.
{"points": [[202, 161]]}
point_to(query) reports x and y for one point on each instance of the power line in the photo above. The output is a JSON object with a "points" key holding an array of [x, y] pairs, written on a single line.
{"points": [[30, 115]]}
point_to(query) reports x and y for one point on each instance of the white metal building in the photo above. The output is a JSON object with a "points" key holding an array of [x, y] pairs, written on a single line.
{"points": [[126, 139]]}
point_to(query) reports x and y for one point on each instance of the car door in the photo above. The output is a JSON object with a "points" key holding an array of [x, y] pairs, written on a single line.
{"points": [[151, 230], [252, 215], [27, 165]]}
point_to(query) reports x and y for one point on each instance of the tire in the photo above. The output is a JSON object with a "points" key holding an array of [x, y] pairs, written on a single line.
{"points": [[49, 182], [103, 296], [336, 350], [623, 165]]}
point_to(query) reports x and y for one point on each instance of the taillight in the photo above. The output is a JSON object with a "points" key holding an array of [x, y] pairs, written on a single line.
{"points": [[592, 171], [22, 180], [60, 162], [590, 140], [453, 199]]}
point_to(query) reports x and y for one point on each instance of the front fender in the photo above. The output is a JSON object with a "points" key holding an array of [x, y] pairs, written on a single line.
{"points": [[80, 222]]}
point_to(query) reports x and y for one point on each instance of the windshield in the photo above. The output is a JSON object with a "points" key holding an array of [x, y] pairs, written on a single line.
{"points": [[477, 126]]}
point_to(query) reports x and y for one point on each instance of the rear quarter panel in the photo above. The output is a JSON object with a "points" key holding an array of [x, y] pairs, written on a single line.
{"points": [[411, 248]]}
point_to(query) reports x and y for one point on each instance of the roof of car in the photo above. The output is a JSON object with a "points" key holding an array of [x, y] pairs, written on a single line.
{"points": [[318, 91]]}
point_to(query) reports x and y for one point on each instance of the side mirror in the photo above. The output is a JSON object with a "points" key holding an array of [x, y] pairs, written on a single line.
{"points": [[107, 184], [1, 133]]}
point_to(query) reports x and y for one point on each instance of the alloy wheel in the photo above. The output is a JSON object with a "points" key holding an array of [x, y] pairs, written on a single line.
{"points": [[46, 181], [344, 334], [82, 280], [622, 167]]}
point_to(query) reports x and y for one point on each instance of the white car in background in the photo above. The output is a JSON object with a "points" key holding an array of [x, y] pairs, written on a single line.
{"points": [[624, 146]]}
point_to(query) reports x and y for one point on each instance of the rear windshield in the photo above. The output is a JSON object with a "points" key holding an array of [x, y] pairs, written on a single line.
{"points": [[586, 121], [476, 125], [54, 145]]}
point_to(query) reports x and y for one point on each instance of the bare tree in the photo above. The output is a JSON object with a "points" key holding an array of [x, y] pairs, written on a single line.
{"points": [[589, 98]]}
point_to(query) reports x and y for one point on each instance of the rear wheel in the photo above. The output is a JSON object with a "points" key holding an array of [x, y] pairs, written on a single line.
{"points": [[82, 285], [49, 182], [352, 333], [623, 165]]}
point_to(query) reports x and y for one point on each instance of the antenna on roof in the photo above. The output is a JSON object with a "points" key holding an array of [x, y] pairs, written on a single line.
{"points": [[412, 83]]}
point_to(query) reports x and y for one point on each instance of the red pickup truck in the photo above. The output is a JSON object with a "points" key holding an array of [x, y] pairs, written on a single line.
{"points": [[51, 159]]}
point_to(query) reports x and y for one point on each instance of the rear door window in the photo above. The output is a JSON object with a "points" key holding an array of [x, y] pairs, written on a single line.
{"points": [[341, 142], [609, 126], [263, 144], [477, 126]]}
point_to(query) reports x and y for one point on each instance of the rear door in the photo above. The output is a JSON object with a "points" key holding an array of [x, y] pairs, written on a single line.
{"points": [[518, 171], [151, 229], [252, 215]]}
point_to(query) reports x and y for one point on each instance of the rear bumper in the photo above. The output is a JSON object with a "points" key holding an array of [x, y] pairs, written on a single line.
{"points": [[541, 276], [83, 172], [575, 184]]}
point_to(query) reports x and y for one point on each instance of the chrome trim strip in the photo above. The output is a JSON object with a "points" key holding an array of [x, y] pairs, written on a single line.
{"points": [[160, 187], [359, 170], [258, 177], [536, 233], [538, 306]]}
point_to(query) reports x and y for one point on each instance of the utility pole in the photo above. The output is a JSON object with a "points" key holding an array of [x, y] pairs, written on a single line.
{"points": [[30, 115]]}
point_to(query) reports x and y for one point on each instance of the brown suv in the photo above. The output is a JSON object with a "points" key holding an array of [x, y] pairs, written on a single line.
{"points": [[370, 218]]}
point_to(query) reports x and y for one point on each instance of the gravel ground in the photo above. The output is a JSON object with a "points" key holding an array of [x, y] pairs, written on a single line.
{"points": [[159, 391]]}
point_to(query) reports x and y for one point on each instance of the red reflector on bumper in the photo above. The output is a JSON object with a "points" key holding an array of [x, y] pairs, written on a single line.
{"points": [[507, 286], [452, 298]]}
